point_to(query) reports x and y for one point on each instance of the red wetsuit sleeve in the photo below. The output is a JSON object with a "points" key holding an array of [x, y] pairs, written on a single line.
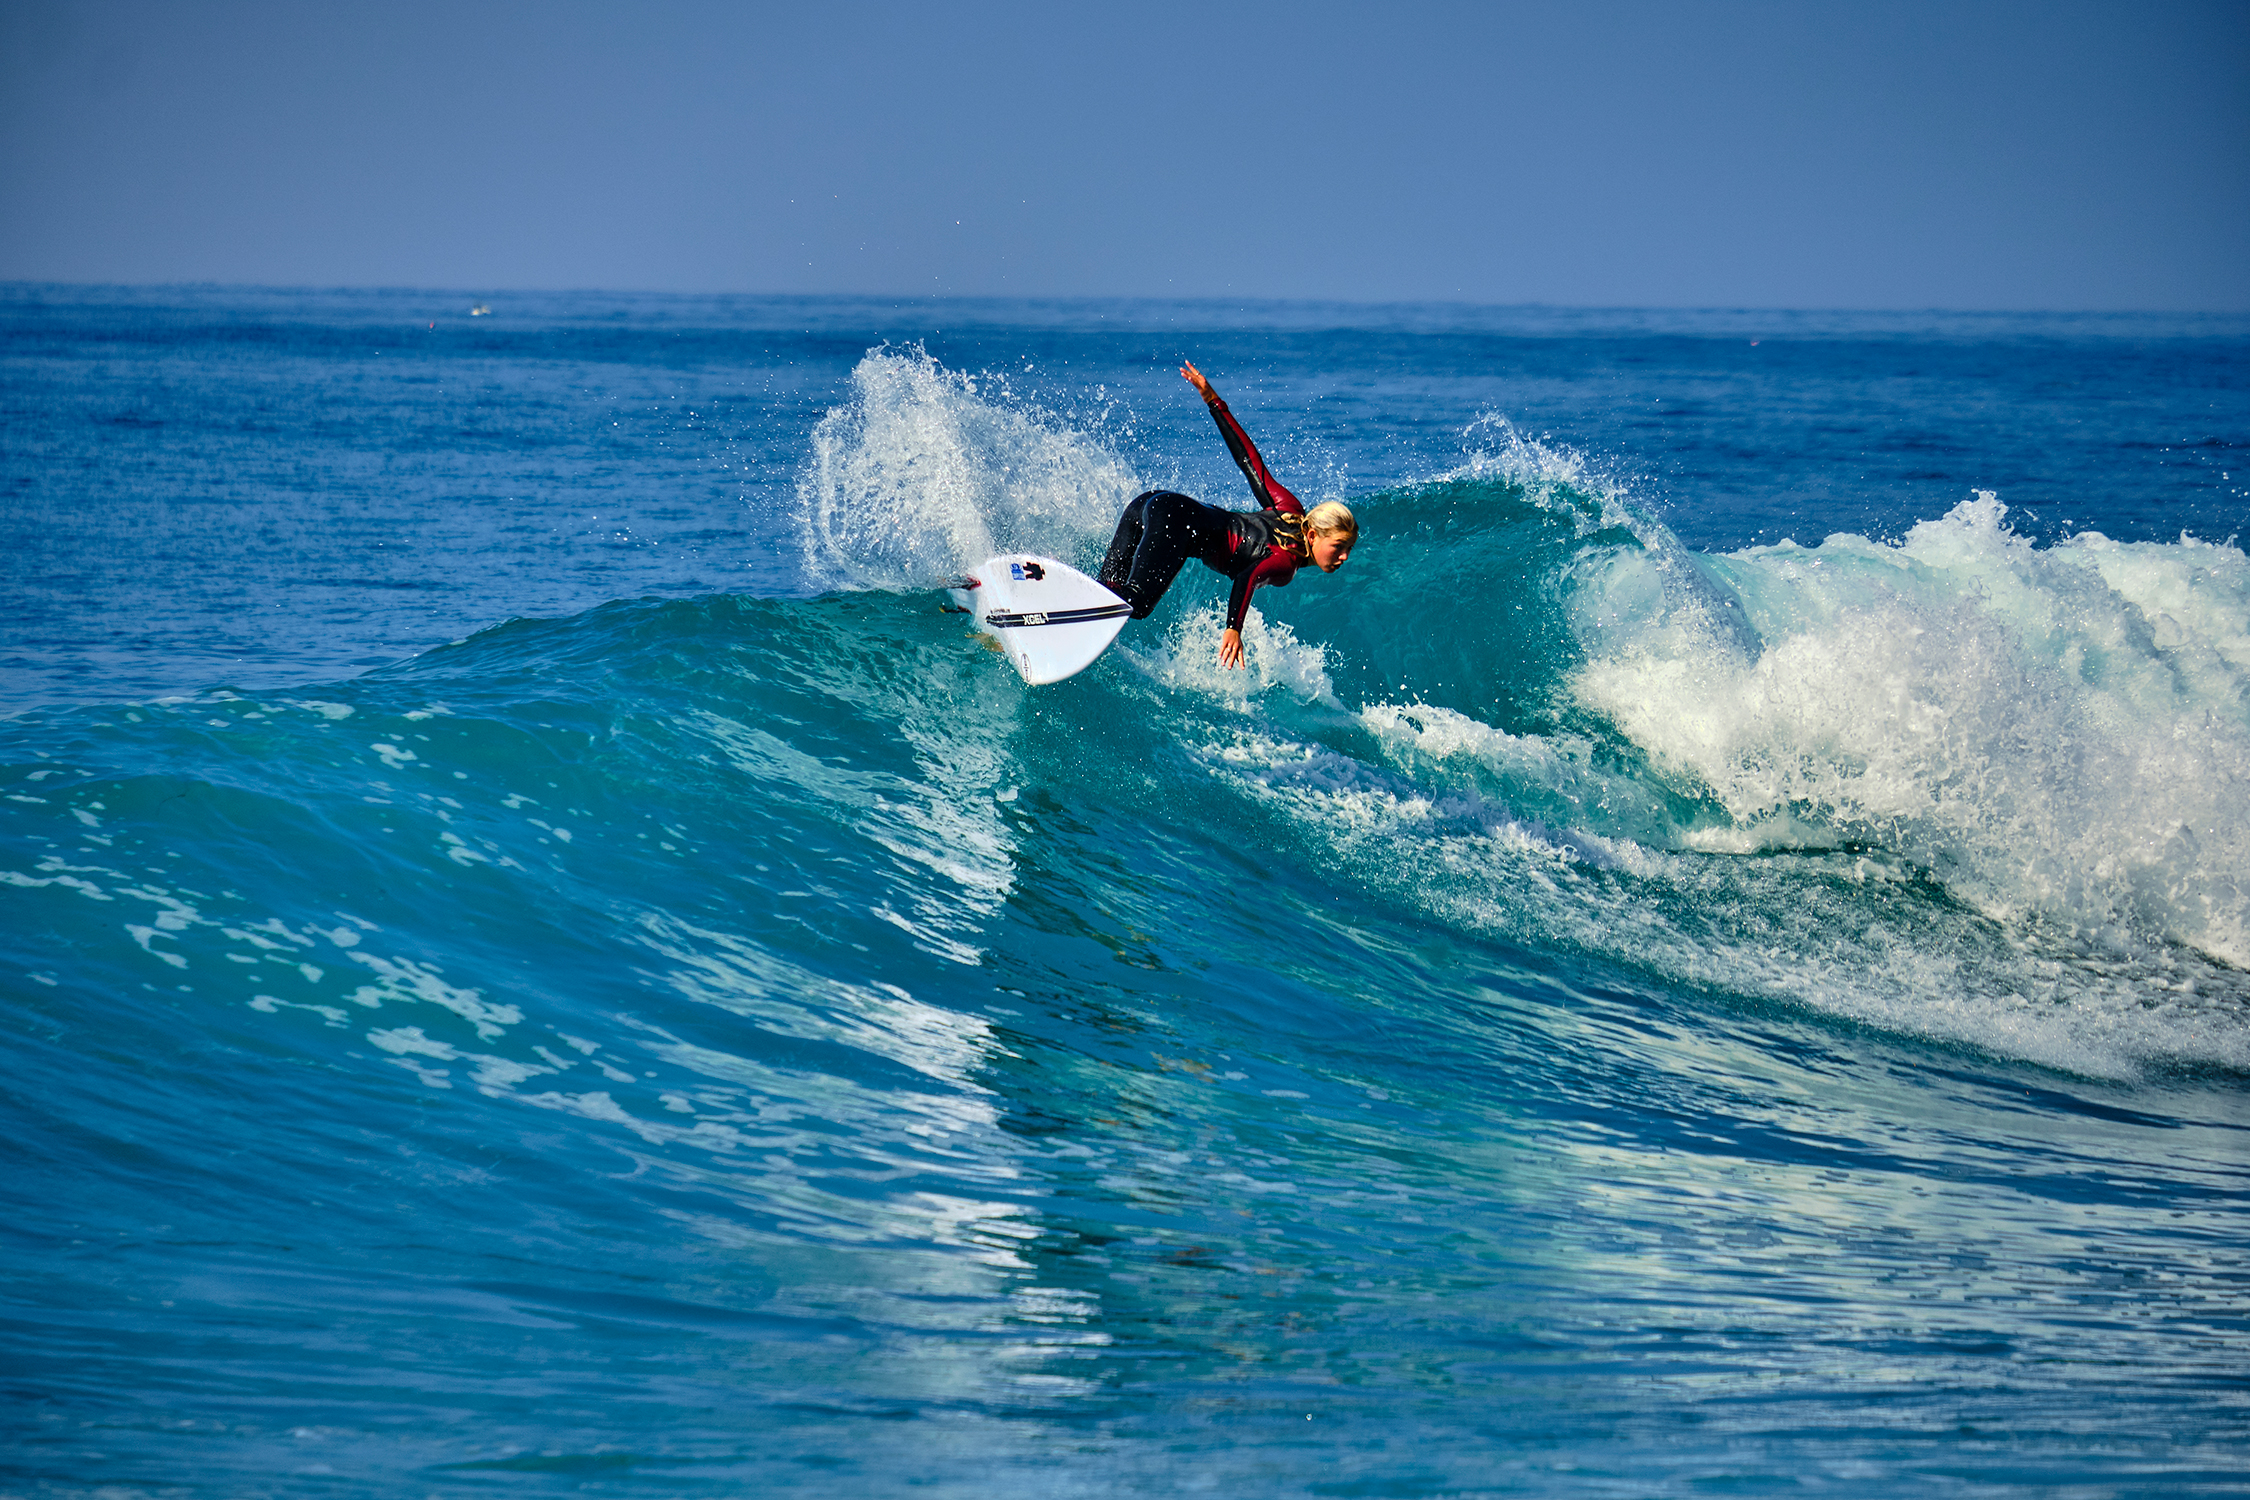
{"points": [[1262, 484], [1277, 566]]}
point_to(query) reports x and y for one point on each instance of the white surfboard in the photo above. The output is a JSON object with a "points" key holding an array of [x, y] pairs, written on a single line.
{"points": [[1051, 619]]}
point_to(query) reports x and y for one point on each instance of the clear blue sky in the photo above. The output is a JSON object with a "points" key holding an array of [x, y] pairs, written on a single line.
{"points": [[1816, 154]]}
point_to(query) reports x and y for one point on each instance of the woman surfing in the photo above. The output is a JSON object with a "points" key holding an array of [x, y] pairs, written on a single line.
{"points": [[1162, 529]]}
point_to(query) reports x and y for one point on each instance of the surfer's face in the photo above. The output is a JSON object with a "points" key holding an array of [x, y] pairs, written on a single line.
{"points": [[1330, 552]]}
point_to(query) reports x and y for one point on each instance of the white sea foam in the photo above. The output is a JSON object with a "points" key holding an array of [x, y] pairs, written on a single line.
{"points": [[1186, 656], [2058, 732], [926, 472]]}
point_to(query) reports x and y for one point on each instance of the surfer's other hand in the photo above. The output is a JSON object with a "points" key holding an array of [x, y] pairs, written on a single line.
{"points": [[1194, 377], [1230, 649]]}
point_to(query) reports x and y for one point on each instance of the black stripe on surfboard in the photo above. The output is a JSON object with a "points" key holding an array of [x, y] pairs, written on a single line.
{"points": [[1005, 619]]}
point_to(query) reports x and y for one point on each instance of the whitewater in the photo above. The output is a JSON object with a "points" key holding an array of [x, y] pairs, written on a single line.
{"points": [[1715, 954]]}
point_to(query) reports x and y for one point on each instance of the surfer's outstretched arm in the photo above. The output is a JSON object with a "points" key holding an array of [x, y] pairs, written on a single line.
{"points": [[1262, 483]]}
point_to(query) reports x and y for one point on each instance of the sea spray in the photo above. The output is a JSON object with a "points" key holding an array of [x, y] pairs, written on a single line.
{"points": [[924, 472]]}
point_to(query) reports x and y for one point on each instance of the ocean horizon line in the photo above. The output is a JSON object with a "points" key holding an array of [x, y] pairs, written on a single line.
{"points": [[1270, 309]]}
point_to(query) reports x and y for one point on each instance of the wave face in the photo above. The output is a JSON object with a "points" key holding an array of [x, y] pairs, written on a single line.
{"points": [[2051, 744], [1601, 1004]]}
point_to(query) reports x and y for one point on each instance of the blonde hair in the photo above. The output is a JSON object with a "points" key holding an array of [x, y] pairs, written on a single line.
{"points": [[1331, 518]]}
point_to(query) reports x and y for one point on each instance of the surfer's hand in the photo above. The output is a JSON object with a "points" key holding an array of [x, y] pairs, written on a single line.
{"points": [[1230, 649], [1194, 377]]}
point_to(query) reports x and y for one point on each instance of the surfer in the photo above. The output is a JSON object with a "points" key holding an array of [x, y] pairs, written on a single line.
{"points": [[1162, 529]]}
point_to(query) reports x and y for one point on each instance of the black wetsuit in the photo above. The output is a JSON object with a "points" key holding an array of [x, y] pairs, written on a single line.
{"points": [[1162, 529]]}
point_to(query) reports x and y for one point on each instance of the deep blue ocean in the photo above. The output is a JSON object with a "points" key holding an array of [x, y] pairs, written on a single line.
{"points": [[1713, 958]]}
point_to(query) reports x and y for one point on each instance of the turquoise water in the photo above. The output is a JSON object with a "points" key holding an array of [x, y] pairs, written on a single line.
{"points": [[1710, 959]]}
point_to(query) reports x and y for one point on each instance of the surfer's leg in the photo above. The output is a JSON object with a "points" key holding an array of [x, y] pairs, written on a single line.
{"points": [[1172, 528], [1117, 564]]}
